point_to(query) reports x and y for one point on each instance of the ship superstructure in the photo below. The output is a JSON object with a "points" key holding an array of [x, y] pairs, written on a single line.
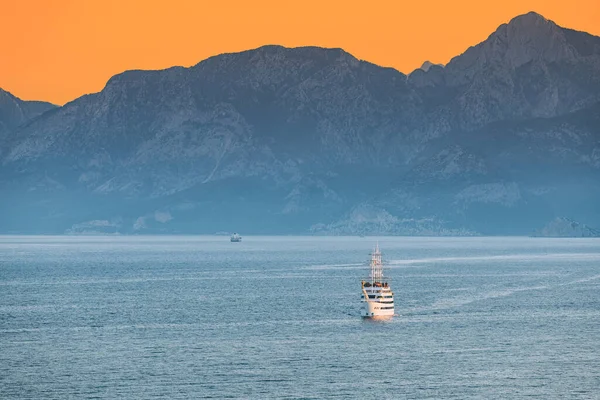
{"points": [[377, 295]]}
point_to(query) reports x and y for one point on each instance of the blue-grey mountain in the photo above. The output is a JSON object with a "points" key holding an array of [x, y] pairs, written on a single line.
{"points": [[15, 112], [501, 140]]}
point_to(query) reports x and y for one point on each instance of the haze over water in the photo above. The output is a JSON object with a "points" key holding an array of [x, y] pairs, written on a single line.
{"points": [[278, 317]]}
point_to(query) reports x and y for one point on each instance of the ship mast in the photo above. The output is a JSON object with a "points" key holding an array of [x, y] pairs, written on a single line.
{"points": [[376, 266]]}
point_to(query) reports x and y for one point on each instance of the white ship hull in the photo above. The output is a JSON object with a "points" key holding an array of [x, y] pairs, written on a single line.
{"points": [[373, 311], [380, 303]]}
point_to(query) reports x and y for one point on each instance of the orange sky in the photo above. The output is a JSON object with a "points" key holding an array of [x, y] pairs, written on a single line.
{"points": [[58, 50]]}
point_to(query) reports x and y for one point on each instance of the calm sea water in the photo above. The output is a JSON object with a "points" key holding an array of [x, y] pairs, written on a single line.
{"points": [[278, 317]]}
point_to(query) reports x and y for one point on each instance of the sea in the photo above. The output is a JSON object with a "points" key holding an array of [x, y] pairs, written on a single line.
{"points": [[179, 317]]}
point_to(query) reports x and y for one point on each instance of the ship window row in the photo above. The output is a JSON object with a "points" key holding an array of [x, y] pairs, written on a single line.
{"points": [[373, 296], [387, 308]]}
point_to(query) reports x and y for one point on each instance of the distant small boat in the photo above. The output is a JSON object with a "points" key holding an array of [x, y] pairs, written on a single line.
{"points": [[236, 238]]}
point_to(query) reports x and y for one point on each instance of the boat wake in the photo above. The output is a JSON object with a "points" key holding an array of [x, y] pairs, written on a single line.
{"points": [[504, 257]]}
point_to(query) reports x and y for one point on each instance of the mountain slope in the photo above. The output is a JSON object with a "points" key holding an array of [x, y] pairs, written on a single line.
{"points": [[506, 178], [15, 112]]}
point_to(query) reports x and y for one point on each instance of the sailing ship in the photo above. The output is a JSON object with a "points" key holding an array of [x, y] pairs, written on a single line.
{"points": [[236, 238], [377, 295]]}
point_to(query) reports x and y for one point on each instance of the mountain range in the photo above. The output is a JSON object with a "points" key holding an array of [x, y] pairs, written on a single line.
{"points": [[501, 140]]}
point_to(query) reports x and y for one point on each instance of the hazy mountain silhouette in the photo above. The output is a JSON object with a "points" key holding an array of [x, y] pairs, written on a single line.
{"points": [[15, 112], [501, 140], [564, 227], [428, 64]]}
